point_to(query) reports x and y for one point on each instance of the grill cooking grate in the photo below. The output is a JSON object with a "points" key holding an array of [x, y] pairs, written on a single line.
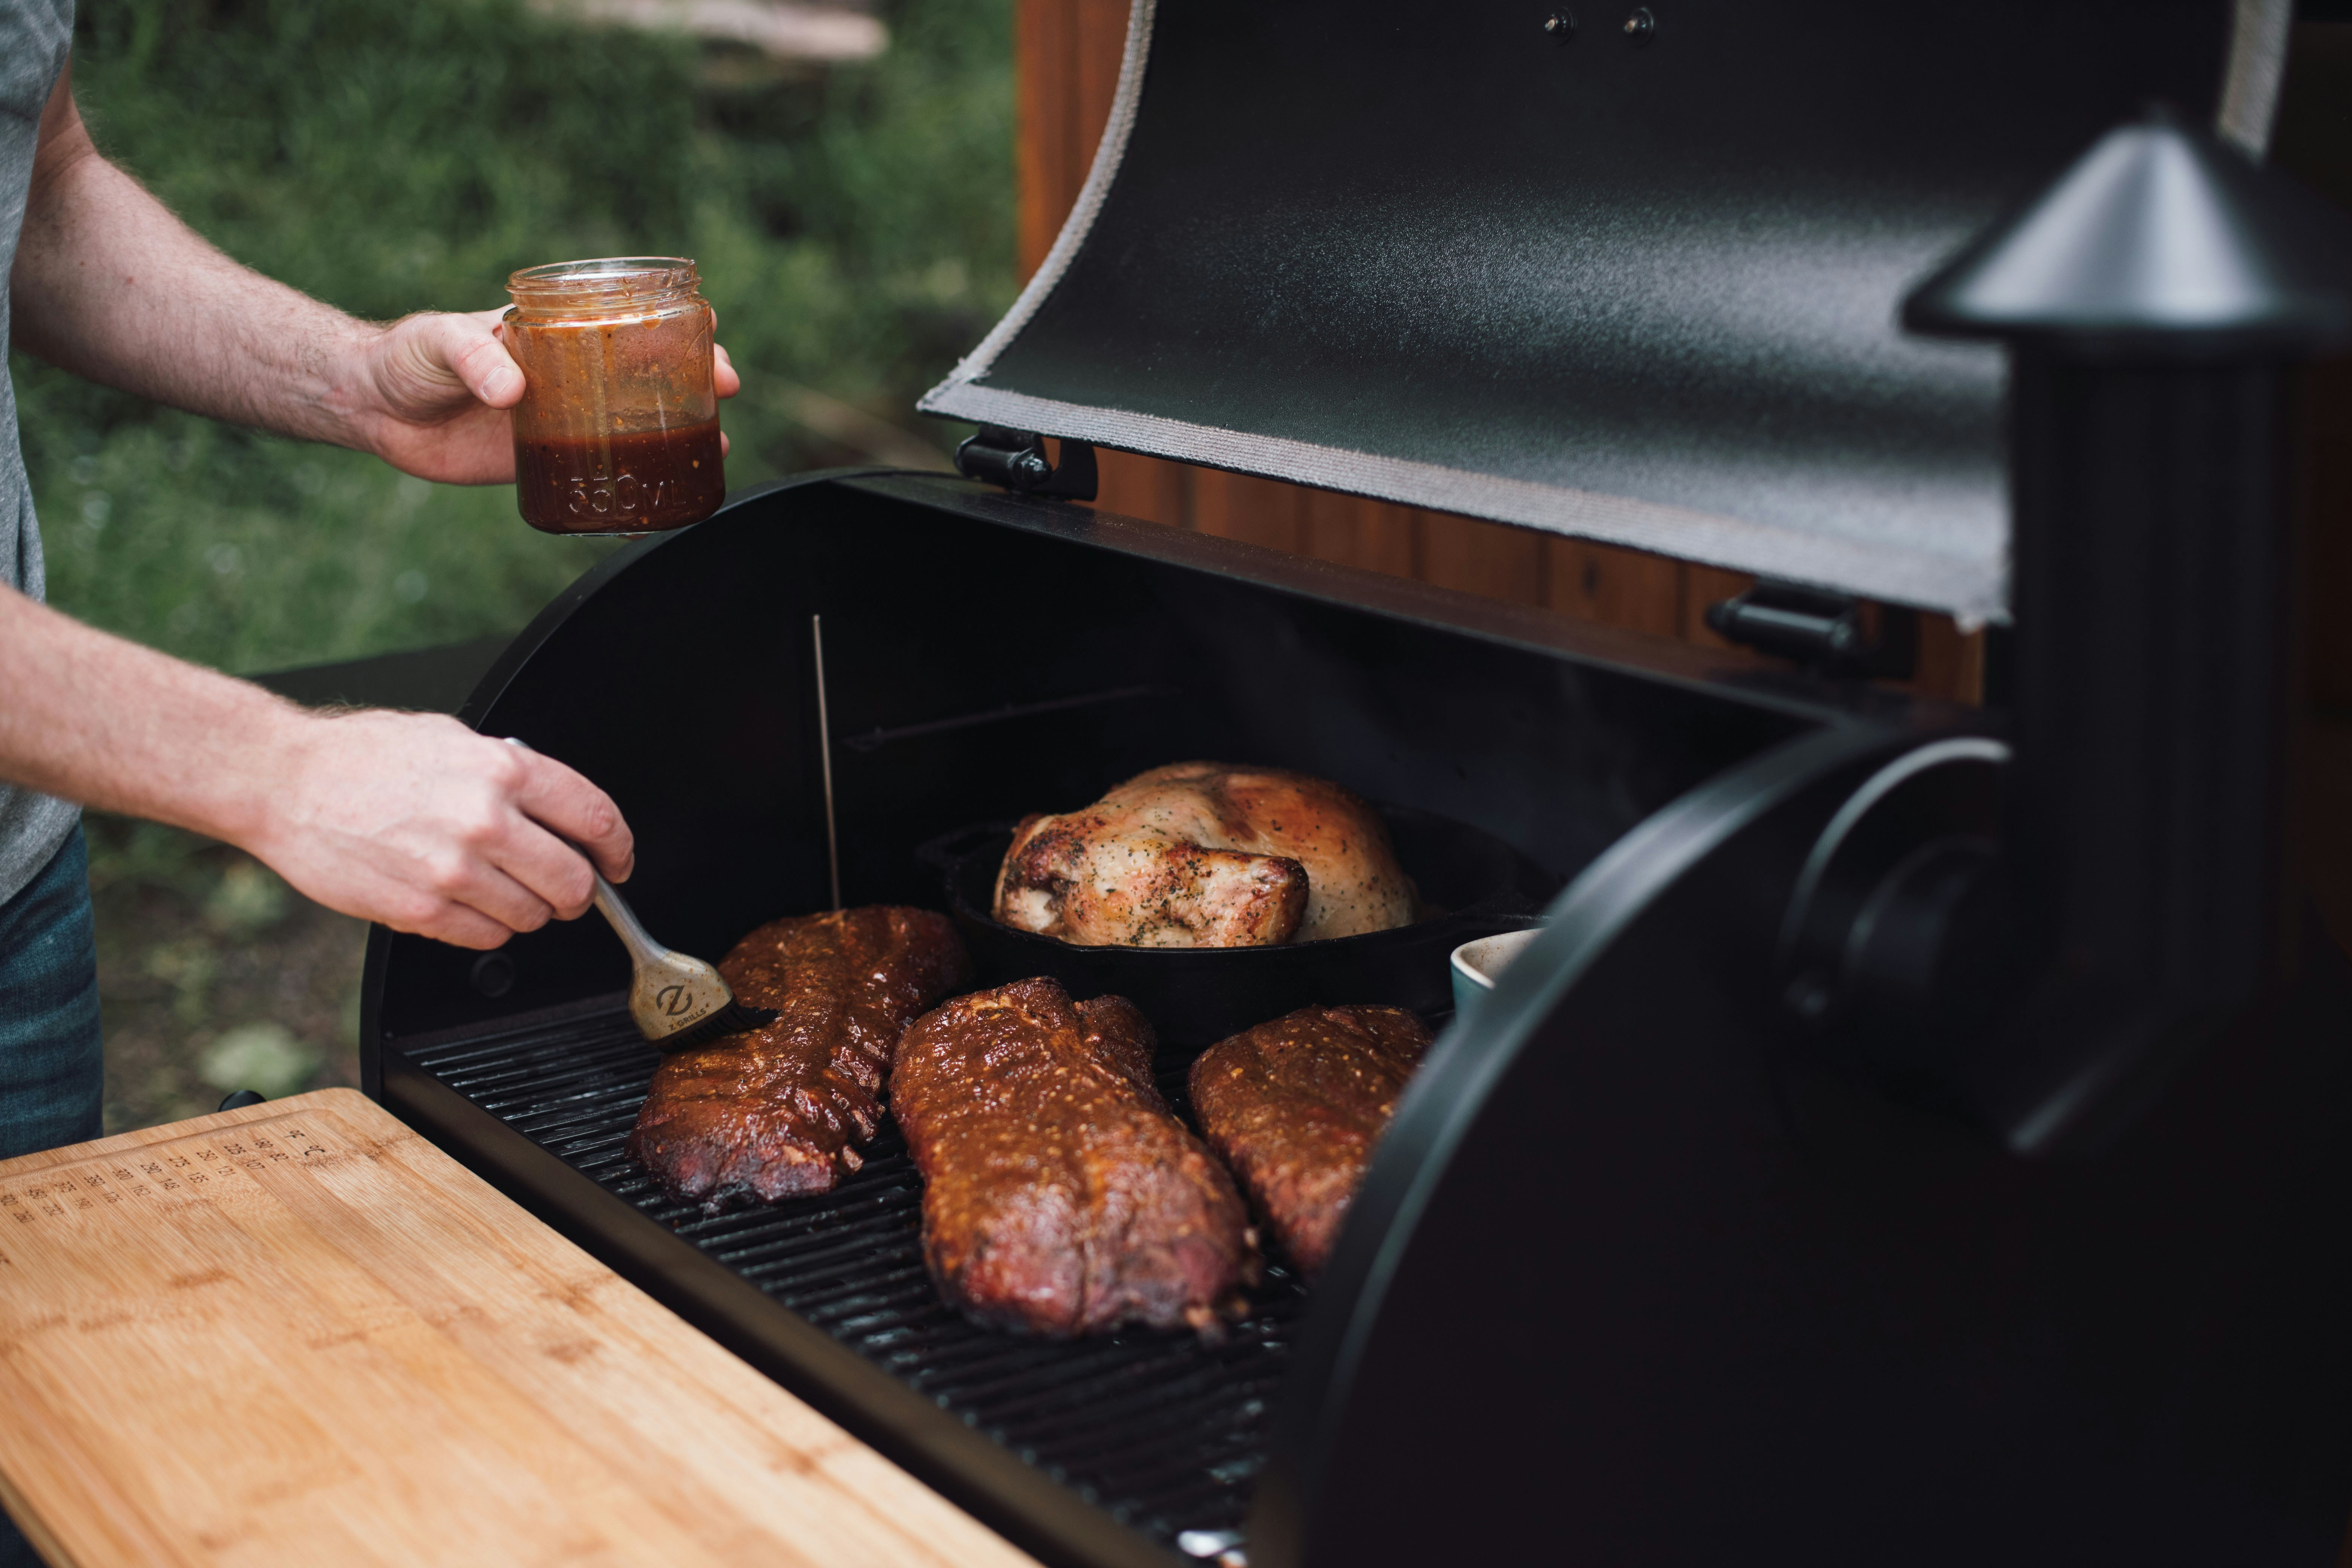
{"points": [[1164, 1433]]}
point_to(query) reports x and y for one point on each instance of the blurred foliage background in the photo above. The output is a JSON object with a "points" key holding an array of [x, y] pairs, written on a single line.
{"points": [[853, 223]]}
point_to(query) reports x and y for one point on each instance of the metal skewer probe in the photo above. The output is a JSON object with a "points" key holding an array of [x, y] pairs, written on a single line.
{"points": [[825, 761]]}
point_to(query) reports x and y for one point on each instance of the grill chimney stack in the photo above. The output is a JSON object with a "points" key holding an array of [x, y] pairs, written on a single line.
{"points": [[2156, 301]]}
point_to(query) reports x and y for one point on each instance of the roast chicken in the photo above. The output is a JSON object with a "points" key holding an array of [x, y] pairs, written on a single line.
{"points": [[1206, 854]]}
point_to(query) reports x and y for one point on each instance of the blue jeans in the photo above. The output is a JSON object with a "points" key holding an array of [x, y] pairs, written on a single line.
{"points": [[50, 1076]]}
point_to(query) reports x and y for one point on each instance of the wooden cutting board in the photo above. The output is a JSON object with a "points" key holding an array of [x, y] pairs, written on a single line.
{"points": [[298, 1333]]}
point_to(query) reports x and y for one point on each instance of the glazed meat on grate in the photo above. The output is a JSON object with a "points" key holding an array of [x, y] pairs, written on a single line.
{"points": [[782, 1111], [1205, 855], [1060, 1195], [1295, 1106]]}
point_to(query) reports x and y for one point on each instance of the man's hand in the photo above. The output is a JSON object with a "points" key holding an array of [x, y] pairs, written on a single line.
{"points": [[416, 821], [430, 396], [407, 818]]}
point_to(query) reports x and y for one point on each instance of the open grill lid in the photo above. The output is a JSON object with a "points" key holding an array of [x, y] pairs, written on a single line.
{"points": [[1639, 286]]}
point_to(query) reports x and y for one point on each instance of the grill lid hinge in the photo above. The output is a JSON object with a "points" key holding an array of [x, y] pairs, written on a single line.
{"points": [[1016, 459], [1819, 629]]}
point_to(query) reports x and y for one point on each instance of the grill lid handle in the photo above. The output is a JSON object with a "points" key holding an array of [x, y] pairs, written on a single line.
{"points": [[1016, 459], [1819, 629]]}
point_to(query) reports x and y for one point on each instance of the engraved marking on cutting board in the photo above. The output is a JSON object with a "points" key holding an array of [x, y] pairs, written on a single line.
{"points": [[191, 1168]]}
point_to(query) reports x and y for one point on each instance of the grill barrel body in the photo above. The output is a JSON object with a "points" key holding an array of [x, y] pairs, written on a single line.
{"points": [[986, 656], [1635, 1276]]}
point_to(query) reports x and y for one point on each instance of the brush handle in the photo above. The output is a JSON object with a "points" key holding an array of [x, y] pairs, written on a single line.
{"points": [[643, 948]]}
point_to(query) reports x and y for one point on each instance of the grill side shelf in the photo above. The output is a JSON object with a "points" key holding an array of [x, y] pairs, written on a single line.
{"points": [[1095, 1453]]}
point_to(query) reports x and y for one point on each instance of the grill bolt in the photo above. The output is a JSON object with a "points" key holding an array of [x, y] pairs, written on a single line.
{"points": [[1559, 26], [1640, 25]]}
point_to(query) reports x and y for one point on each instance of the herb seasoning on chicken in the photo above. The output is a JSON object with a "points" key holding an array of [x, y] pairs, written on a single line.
{"points": [[1206, 854]]}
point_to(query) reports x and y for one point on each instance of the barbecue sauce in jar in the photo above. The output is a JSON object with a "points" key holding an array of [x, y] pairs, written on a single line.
{"points": [[618, 431], [630, 484]]}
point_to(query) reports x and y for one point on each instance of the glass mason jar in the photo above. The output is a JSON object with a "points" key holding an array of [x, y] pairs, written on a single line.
{"points": [[618, 431]]}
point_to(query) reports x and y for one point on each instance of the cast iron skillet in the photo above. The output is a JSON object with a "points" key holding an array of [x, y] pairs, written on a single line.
{"points": [[1195, 996]]}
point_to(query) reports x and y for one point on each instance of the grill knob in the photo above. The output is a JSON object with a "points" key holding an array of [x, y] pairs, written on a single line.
{"points": [[494, 974]]}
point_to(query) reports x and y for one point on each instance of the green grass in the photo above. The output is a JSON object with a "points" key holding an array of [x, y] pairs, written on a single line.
{"points": [[853, 229]]}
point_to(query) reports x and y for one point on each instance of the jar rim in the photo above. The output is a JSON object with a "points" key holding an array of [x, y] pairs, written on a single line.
{"points": [[605, 277]]}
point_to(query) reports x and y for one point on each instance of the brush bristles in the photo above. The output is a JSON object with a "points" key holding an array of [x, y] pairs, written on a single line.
{"points": [[732, 1019]]}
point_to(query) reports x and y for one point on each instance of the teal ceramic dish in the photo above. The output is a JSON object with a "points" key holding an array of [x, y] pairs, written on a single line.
{"points": [[1478, 965]]}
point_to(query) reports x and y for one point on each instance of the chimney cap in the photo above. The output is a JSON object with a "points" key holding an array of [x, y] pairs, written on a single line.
{"points": [[2161, 241]]}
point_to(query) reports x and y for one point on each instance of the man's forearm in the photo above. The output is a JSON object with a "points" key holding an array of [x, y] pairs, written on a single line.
{"points": [[98, 720], [109, 284], [408, 818]]}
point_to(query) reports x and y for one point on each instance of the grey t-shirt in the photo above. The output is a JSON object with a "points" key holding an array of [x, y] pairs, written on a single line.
{"points": [[34, 37]]}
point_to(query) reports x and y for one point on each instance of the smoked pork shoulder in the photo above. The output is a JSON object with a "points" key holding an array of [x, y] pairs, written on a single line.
{"points": [[1294, 1107], [1060, 1194], [783, 1111]]}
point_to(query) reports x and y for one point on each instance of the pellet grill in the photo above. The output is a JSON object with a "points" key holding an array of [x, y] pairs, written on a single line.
{"points": [[1919, 1134]]}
